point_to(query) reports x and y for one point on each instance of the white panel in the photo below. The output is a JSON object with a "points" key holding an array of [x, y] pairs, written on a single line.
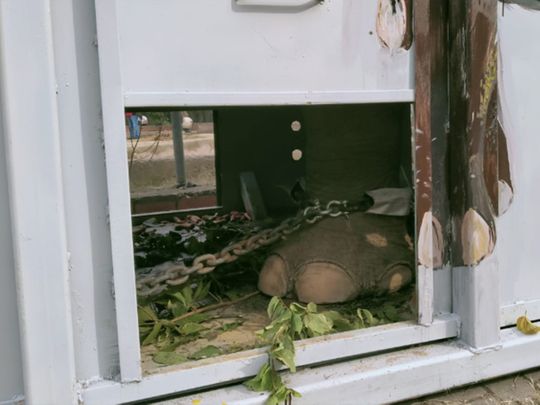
{"points": [[517, 230], [510, 313], [32, 149], [118, 191], [11, 379], [442, 293], [186, 51], [476, 301], [85, 189]]}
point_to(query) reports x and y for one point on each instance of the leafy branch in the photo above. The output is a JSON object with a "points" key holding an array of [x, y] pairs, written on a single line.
{"points": [[289, 323]]}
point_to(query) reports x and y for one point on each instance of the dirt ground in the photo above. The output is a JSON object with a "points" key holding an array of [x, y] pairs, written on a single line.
{"points": [[517, 389], [152, 165]]}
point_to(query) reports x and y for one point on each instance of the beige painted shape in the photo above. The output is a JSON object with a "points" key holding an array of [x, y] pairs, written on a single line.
{"points": [[506, 196], [430, 242], [476, 238], [391, 27]]}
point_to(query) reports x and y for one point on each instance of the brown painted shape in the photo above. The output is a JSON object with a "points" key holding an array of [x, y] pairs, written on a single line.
{"points": [[431, 135], [473, 148], [504, 163], [408, 38]]}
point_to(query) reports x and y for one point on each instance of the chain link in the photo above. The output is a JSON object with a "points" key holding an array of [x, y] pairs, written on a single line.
{"points": [[167, 274]]}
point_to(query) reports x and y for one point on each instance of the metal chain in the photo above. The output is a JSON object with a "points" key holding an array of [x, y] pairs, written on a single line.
{"points": [[167, 274]]}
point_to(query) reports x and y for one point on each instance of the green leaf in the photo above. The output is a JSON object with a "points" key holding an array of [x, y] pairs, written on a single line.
{"points": [[296, 308], [191, 328], [195, 318], [201, 292], [178, 309], [340, 323], [178, 296], [230, 326], [169, 358], [152, 336], [282, 395], [187, 293], [391, 313], [174, 343], [146, 314], [284, 352], [276, 308], [318, 324], [206, 352], [312, 308], [296, 324], [366, 317], [263, 381], [145, 330]]}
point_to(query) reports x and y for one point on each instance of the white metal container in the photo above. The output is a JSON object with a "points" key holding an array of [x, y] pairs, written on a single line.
{"points": [[67, 291]]}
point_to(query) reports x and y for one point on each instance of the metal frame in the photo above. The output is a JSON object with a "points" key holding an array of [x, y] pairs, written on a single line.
{"points": [[235, 366], [240, 366], [393, 377], [43, 85], [118, 189], [30, 117], [265, 99]]}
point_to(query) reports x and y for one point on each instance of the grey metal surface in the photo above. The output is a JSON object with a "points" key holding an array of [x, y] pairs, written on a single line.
{"points": [[517, 241], [178, 145], [35, 191], [85, 191], [226, 54], [11, 378]]}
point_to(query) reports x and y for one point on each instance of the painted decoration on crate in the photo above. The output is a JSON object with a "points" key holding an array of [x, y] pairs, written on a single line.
{"points": [[394, 24], [479, 160], [462, 171]]}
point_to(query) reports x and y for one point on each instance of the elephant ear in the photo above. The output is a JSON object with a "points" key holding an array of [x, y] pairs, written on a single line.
{"points": [[528, 4], [394, 24]]}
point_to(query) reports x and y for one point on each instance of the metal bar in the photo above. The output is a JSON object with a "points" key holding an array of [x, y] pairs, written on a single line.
{"points": [[118, 190], [11, 373], [429, 148], [191, 376], [32, 146], [476, 302], [392, 377], [178, 146], [85, 192], [280, 3], [217, 99]]}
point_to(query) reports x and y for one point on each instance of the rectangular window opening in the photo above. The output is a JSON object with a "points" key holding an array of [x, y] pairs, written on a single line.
{"points": [[247, 169], [171, 160]]}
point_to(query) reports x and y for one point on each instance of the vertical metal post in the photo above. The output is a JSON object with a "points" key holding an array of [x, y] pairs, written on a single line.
{"points": [[116, 164], [178, 145], [28, 104]]}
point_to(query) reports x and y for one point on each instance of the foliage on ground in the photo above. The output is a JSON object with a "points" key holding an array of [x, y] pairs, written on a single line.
{"points": [[290, 323], [187, 313], [178, 316]]}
